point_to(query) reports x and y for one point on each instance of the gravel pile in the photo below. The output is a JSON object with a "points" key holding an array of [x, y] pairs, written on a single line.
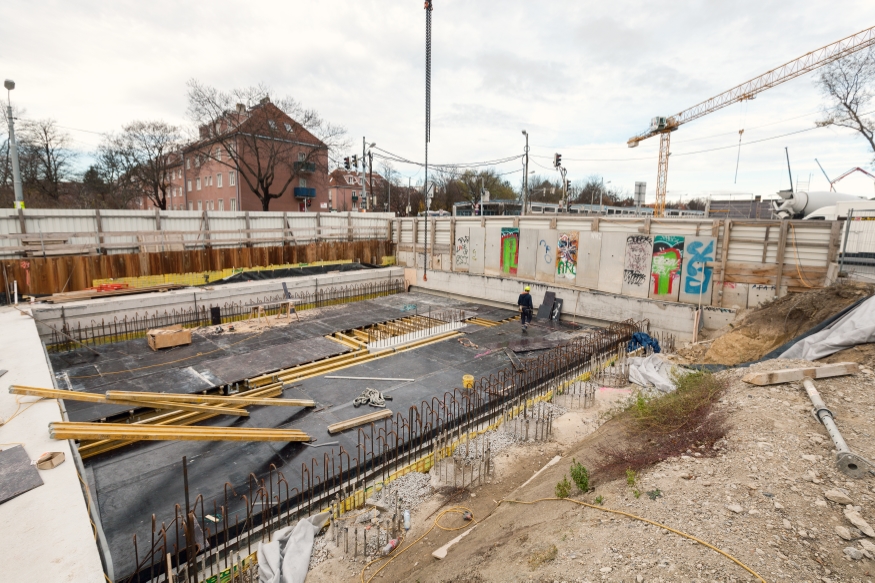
{"points": [[411, 489], [497, 440]]}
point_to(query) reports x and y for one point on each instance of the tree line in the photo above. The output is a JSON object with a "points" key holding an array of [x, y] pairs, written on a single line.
{"points": [[282, 140]]}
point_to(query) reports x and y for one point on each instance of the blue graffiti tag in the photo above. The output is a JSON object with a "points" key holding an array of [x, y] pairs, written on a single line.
{"points": [[695, 258], [547, 257]]}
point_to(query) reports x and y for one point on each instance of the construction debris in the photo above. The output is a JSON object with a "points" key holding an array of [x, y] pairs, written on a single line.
{"points": [[371, 397], [356, 421], [774, 377], [69, 430]]}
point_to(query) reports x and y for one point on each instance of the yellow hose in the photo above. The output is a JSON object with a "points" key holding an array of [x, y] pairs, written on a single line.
{"points": [[460, 509]]}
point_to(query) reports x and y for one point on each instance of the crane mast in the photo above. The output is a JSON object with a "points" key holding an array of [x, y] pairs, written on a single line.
{"points": [[663, 126]]}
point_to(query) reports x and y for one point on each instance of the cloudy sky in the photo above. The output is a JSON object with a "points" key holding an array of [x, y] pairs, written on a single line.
{"points": [[582, 77]]}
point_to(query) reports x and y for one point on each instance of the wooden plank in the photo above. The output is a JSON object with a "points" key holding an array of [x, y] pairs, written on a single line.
{"points": [[229, 400], [98, 398], [68, 430], [835, 234], [361, 420], [788, 375]]}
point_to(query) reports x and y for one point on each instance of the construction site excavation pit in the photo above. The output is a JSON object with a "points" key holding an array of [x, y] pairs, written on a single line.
{"points": [[412, 348]]}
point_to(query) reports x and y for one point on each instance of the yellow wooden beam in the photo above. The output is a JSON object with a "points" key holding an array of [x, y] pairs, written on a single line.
{"points": [[218, 400], [68, 430]]}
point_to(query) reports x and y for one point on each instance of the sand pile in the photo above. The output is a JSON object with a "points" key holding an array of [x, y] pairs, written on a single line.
{"points": [[760, 330]]}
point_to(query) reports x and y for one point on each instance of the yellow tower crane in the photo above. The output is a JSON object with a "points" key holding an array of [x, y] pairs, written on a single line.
{"points": [[663, 126]]}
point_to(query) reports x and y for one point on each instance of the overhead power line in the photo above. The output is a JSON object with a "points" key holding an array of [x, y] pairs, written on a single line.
{"points": [[387, 155]]}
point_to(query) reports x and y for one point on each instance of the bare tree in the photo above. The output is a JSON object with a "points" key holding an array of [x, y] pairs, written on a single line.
{"points": [[46, 157], [140, 158], [269, 141], [849, 86]]}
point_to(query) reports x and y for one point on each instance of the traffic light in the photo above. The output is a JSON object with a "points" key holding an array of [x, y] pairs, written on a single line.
{"points": [[567, 185], [346, 163], [355, 162], [557, 160]]}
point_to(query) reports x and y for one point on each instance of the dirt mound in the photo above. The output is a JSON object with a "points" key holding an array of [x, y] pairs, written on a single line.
{"points": [[761, 330]]}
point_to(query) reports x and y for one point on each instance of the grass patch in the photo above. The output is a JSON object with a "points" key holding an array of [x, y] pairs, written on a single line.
{"points": [[667, 425], [545, 556], [599, 499]]}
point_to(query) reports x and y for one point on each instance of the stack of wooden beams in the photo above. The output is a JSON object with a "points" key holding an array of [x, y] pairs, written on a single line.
{"points": [[177, 410]]}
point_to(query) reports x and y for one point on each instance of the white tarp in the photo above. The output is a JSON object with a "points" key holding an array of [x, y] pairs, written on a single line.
{"points": [[855, 327], [286, 558], [652, 371]]}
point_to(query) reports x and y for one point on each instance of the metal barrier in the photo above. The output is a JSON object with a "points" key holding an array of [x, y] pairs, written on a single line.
{"points": [[857, 258], [119, 330]]}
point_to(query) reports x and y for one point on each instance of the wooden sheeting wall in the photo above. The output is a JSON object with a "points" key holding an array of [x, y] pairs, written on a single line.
{"points": [[43, 276]]}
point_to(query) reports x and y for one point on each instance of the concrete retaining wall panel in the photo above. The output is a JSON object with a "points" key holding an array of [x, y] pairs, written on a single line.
{"points": [[588, 259], [759, 294], [528, 254], [665, 268], [492, 252], [462, 249], [636, 265], [696, 280], [478, 243], [613, 253], [734, 295], [545, 261]]}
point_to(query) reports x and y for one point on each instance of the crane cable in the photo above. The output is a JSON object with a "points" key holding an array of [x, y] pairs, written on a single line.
{"points": [[462, 509]]}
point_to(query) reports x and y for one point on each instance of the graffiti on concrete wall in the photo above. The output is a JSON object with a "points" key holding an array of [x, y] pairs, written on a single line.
{"points": [[636, 269], [544, 247], [697, 277], [510, 249], [462, 252], [665, 270], [566, 255]]}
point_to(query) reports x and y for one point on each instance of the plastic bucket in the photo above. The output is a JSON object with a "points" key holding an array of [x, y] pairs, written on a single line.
{"points": [[468, 381]]}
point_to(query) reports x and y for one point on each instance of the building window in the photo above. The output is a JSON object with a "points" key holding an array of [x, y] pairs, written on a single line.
{"points": [[200, 205], [233, 202], [349, 180], [302, 156], [361, 181], [232, 178], [197, 161], [189, 185], [190, 206], [302, 182], [272, 124], [221, 204], [219, 180], [219, 154], [198, 183], [288, 127], [210, 205], [208, 180], [188, 163]]}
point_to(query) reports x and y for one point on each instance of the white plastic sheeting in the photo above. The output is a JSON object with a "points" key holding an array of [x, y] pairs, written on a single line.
{"points": [[652, 371], [855, 327], [286, 558]]}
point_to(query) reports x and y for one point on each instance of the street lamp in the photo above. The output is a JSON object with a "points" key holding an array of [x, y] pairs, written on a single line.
{"points": [[9, 84], [601, 191]]}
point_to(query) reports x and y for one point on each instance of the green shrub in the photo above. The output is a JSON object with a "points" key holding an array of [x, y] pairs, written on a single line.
{"points": [[580, 475], [563, 488], [599, 499], [631, 477]]}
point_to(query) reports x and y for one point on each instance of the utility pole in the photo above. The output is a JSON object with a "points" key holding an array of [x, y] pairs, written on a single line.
{"points": [[407, 214], [526, 173], [364, 190], [13, 147], [428, 9], [371, 179]]}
